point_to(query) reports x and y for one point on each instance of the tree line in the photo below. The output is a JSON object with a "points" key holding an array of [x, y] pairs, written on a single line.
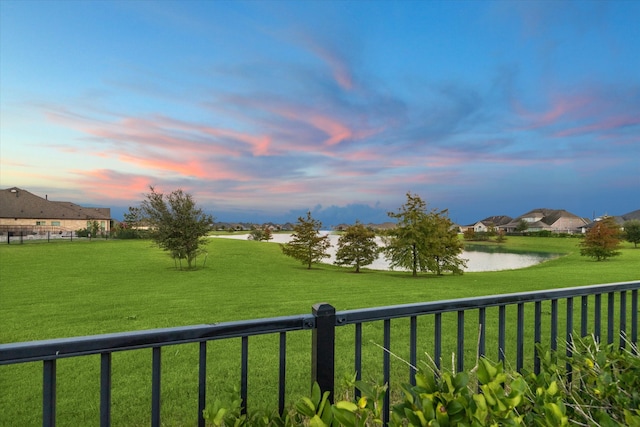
{"points": [[423, 240]]}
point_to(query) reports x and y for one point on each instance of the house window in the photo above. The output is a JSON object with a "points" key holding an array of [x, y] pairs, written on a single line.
{"points": [[102, 225], [41, 222], [55, 223]]}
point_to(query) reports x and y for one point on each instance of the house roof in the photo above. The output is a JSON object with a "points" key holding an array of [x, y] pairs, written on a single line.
{"points": [[547, 217], [496, 220], [552, 216], [18, 203], [619, 219], [631, 215]]}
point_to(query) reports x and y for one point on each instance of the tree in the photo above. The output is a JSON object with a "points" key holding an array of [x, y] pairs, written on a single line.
{"points": [[92, 230], [522, 226], [176, 224], [404, 244], [632, 231], [421, 240], [133, 217], [307, 245], [443, 244], [602, 240], [259, 234], [357, 247], [132, 226], [469, 234]]}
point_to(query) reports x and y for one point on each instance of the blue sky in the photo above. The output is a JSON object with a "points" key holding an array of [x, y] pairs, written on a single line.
{"points": [[266, 109]]}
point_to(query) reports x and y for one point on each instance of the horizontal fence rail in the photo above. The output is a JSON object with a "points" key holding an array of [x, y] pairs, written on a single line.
{"points": [[497, 322]]}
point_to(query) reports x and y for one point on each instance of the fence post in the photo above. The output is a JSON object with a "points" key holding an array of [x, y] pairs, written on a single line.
{"points": [[323, 347]]}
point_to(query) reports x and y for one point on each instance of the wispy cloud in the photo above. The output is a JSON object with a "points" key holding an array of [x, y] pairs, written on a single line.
{"points": [[604, 113], [286, 108], [607, 124]]}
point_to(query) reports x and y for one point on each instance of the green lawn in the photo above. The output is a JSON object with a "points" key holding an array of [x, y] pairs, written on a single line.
{"points": [[61, 289]]}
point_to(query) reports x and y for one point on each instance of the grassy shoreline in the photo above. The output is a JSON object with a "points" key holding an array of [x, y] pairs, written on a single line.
{"points": [[61, 289]]}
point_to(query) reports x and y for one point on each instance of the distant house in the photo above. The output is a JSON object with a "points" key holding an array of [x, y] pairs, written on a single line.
{"points": [[341, 227], [554, 220], [490, 223], [382, 226], [26, 213], [231, 226], [619, 219]]}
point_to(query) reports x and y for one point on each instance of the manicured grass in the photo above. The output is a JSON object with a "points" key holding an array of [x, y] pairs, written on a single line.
{"points": [[61, 289]]}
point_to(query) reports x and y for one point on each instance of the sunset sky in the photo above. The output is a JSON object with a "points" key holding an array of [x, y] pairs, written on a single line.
{"points": [[263, 110]]}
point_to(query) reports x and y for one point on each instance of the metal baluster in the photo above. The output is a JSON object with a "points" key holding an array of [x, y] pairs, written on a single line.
{"points": [[155, 386], [623, 319], [437, 338], [460, 349], [610, 312], [282, 372], [537, 335], [413, 338], [49, 393], [569, 336], [202, 383], [386, 368], [634, 320], [597, 321], [358, 356], [501, 332], [520, 338], [244, 369], [584, 315], [105, 389], [554, 324], [482, 326]]}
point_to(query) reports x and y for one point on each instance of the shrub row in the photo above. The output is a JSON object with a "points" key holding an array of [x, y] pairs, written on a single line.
{"points": [[598, 385]]}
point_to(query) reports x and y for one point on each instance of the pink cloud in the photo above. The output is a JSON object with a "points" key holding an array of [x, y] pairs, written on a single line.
{"points": [[339, 69], [292, 126], [165, 133], [569, 107], [114, 185], [101, 184], [606, 124], [260, 144], [336, 131], [370, 155], [592, 111]]}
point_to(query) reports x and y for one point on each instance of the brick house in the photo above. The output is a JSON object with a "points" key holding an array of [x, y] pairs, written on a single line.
{"points": [[24, 212]]}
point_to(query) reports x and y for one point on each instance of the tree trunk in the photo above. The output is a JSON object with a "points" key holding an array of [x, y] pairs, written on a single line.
{"points": [[415, 261]]}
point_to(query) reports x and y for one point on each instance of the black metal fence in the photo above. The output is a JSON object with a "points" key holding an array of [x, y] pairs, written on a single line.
{"points": [[507, 326], [35, 234]]}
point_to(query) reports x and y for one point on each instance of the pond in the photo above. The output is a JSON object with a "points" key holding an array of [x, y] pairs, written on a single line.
{"points": [[479, 257], [492, 258]]}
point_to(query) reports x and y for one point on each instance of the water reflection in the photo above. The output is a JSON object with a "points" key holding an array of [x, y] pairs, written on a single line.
{"points": [[489, 259], [502, 260]]}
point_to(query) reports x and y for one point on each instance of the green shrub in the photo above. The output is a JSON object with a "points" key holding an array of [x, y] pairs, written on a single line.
{"points": [[598, 385]]}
